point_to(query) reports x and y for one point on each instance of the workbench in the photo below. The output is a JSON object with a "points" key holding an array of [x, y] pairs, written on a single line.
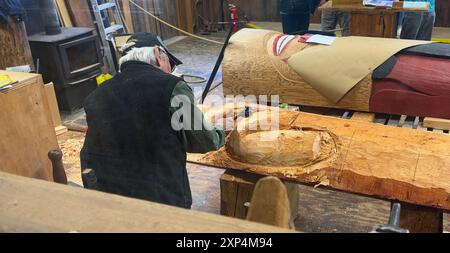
{"points": [[371, 21]]}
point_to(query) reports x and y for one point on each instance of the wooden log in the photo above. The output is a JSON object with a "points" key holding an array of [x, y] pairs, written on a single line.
{"points": [[15, 49], [385, 162], [27, 133], [37, 206], [249, 69]]}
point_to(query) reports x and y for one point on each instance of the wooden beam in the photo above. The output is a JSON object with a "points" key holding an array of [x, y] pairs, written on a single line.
{"points": [[30, 205], [443, 124], [385, 162]]}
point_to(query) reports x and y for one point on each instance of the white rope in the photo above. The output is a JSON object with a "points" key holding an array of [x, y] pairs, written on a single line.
{"points": [[172, 26]]}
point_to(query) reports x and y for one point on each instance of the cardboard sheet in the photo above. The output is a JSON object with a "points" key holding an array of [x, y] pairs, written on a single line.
{"points": [[334, 70]]}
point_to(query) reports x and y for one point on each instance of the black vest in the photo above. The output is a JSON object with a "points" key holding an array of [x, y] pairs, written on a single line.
{"points": [[130, 142]]}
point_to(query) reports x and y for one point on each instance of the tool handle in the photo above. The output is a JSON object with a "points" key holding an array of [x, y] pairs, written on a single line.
{"points": [[59, 174]]}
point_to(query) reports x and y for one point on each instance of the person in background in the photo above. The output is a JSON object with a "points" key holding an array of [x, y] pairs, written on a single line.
{"points": [[330, 20], [296, 14], [419, 25]]}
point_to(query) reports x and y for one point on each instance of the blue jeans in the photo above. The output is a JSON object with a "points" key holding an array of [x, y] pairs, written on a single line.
{"points": [[418, 25], [294, 23]]}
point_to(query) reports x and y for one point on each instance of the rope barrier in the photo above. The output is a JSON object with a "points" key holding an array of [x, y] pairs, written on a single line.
{"points": [[172, 26]]}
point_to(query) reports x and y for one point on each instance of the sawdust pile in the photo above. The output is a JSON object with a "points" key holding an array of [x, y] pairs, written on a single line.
{"points": [[71, 144]]}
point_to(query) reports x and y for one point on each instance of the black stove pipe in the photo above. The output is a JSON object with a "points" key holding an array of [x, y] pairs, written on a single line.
{"points": [[50, 17]]}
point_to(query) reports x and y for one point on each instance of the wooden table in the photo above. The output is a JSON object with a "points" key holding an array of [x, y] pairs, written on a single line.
{"points": [[371, 21]]}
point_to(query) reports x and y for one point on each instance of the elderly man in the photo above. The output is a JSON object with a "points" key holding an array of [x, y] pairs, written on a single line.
{"points": [[135, 143]]}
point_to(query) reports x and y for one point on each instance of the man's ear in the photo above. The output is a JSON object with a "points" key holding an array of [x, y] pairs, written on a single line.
{"points": [[157, 53]]}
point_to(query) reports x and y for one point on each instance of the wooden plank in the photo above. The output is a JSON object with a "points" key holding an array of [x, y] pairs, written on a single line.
{"points": [[375, 160], [442, 124], [61, 130], [419, 219], [27, 130], [54, 110], [53, 104], [64, 13], [64, 210], [363, 117]]}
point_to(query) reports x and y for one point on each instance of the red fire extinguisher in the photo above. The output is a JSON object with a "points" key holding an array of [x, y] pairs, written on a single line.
{"points": [[234, 17]]}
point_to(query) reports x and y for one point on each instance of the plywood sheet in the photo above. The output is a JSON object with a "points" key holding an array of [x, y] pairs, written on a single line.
{"points": [[27, 133]]}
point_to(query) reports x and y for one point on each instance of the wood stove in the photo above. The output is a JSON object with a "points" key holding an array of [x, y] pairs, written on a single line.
{"points": [[68, 57], [71, 60]]}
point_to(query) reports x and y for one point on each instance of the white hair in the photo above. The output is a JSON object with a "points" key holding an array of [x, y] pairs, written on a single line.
{"points": [[144, 54]]}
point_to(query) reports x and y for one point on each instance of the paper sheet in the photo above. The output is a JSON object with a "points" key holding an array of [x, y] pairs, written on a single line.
{"points": [[321, 39], [334, 70]]}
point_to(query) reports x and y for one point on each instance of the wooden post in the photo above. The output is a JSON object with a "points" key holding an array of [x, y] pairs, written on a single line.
{"points": [[270, 203], [418, 219], [15, 49], [237, 188]]}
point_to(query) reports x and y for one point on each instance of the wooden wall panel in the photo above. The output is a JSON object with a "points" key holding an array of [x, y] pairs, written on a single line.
{"points": [[442, 13], [79, 13]]}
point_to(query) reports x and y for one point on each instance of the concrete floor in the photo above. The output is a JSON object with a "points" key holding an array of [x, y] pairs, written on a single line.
{"points": [[319, 210]]}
